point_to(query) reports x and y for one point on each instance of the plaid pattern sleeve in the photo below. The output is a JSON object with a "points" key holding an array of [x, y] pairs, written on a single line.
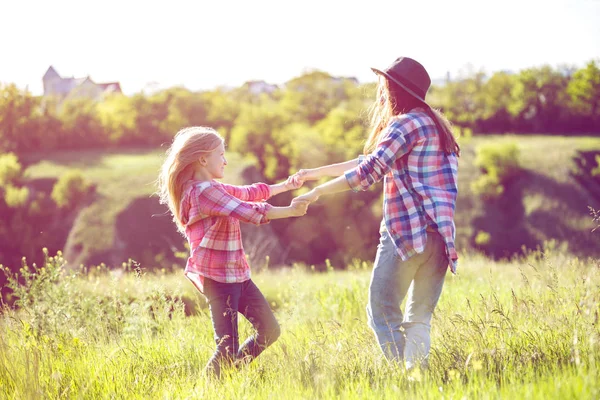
{"points": [[420, 183], [255, 192], [397, 140], [217, 202]]}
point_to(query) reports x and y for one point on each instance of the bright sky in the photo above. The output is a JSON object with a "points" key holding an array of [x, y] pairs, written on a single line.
{"points": [[201, 44]]}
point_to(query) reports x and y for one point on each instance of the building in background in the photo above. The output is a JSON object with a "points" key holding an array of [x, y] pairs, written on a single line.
{"points": [[70, 88]]}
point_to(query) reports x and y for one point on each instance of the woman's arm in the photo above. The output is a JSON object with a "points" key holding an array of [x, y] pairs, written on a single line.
{"points": [[339, 184], [312, 174], [397, 141]]}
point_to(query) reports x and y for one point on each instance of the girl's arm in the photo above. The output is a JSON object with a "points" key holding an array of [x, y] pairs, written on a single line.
{"points": [[255, 192], [289, 184], [260, 191], [216, 201], [296, 209]]}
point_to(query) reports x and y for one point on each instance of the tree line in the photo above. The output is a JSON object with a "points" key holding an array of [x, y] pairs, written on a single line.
{"points": [[316, 105]]}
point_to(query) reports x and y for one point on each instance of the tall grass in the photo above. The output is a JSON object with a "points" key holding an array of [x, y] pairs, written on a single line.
{"points": [[526, 328]]}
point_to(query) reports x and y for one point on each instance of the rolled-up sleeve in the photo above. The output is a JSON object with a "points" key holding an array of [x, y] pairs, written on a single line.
{"points": [[255, 192], [397, 140], [262, 208], [218, 202]]}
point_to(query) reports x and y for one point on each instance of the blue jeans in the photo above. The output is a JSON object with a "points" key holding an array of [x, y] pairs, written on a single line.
{"points": [[406, 337], [225, 301]]}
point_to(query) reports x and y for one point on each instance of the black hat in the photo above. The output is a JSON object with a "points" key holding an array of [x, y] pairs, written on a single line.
{"points": [[409, 75]]}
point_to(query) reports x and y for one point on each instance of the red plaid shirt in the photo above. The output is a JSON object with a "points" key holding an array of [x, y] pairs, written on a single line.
{"points": [[211, 212], [420, 185]]}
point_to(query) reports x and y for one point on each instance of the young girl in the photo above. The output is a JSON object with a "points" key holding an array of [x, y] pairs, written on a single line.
{"points": [[208, 213], [411, 147]]}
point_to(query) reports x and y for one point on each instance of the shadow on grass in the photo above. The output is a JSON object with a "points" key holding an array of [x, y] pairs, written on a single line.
{"points": [[585, 164], [146, 233]]}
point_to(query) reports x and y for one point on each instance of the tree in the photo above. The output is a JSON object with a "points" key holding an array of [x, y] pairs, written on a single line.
{"points": [[540, 99], [81, 126], [151, 111], [343, 132], [496, 99], [19, 113], [222, 111], [462, 100], [584, 90], [255, 133], [118, 117], [310, 97], [186, 108]]}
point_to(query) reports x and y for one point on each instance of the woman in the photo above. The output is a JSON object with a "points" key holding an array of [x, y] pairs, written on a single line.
{"points": [[411, 147]]}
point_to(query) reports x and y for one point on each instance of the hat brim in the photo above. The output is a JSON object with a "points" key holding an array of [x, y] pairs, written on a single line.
{"points": [[403, 86]]}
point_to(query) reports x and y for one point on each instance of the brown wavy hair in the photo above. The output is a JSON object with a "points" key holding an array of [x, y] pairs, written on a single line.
{"points": [[392, 100]]}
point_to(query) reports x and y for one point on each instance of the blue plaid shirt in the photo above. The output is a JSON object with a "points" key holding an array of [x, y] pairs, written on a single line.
{"points": [[420, 183]]}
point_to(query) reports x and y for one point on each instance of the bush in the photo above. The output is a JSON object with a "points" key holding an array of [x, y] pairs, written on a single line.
{"points": [[487, 186], [10, 168], [14, 196], [500, 164], [482, 238], [70, 188]]}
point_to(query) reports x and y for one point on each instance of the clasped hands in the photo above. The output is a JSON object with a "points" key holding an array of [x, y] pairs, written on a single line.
{"points": [[296, 181]]}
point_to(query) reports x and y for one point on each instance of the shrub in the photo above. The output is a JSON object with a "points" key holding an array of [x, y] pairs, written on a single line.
{"points": [[500, 164], [487, 186], [15, 196], [70, 188], [482, 238], [10, 168]]}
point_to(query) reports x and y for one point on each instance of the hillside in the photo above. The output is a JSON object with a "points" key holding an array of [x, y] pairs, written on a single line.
{"points": [[125, 219], [544, 204]]}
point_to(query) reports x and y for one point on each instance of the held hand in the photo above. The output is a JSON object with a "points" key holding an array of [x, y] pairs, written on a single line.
{"points": [[292, 183], [298, 207], [311, 197], [304, 175]]}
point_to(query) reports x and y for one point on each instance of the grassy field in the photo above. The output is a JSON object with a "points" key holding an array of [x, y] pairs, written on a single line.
{"points": [[525, 329]]}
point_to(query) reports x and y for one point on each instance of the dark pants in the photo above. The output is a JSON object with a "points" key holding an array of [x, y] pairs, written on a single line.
{"points": [[225, 301]]}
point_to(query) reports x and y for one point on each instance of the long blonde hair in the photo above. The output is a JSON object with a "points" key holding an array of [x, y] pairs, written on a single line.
{"points": [[181, 160], [391, 101]]}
